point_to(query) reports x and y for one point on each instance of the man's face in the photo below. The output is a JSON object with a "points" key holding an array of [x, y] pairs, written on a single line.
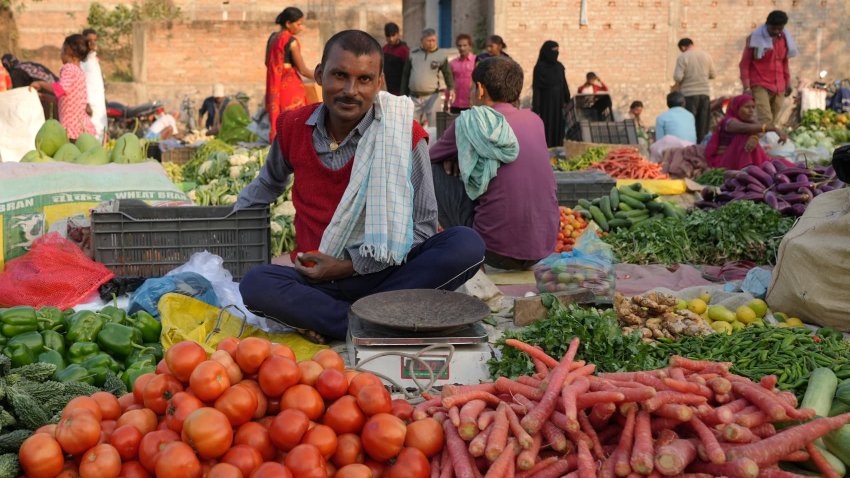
{"points": [[92, 39], [775, 30], [463, 47], [349, 83], [429, 43], [394, 39], [637, 110]]}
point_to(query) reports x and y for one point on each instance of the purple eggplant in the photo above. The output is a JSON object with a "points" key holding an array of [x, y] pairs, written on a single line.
{"points": [[745, 178], [708, 193], [769, 168], [771, 200], [791, 187], [806, 191], [798, 209], [796, 170], [786, 210], [729, 174], [801, 178], [794, 198], [725, 197], [779, 165], [826, 188], [756, 188], [758, 174], [781, 179], [729, 185]]}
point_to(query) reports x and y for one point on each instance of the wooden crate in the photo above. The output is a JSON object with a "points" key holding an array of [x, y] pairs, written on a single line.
{"points": [[178, 155]]}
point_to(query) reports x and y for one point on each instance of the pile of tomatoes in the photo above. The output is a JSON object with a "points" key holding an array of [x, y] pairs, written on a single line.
{"points": [[248, 410], [572, 225]]}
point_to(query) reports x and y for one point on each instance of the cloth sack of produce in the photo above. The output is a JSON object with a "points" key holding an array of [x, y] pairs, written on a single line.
{"points": [[189, 284], [185, 318], [810, 277], [590, 265], [55, 272]]}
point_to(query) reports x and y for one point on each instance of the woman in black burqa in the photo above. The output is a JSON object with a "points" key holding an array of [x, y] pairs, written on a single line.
{"points": [[550, 93]]}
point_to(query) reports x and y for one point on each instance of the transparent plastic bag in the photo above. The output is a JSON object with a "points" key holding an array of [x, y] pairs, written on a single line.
{"points": [[190, 284], [590, 265]]}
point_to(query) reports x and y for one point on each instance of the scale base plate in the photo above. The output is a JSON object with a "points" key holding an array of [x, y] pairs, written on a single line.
{"points": [[361, 332]]}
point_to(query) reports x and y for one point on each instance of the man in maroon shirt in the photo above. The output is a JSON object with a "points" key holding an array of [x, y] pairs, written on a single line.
{"points": [[396, 53], [517, 215], [764, 66]]}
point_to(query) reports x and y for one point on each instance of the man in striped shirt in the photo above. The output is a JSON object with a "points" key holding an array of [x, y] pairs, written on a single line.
{"points": [[318, 143]]}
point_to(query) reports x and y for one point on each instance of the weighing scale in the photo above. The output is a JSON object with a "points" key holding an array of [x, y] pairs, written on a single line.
{"points": [[388, 330]]}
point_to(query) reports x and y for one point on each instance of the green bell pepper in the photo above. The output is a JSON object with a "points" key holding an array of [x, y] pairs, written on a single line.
{"points": [[147, 325], [143, 353], [158, 351], [50, 318], [84, 326], [98, 366], [54, 357], [133, 371], [53, 340], [119, 340], [74, 373], [31, 339], [3, 340], [80, 351], [20, 354], [18, 320], [113, 314]]}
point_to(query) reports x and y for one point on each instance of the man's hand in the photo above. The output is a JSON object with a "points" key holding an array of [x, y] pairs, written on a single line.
{"points": [[318, 267], [782, 136], [452, 97], [88, 109], [451, 168], [788, 90]]}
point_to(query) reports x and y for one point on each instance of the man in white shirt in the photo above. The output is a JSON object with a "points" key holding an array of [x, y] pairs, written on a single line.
{"points": [[94, 85], [164, 127]]}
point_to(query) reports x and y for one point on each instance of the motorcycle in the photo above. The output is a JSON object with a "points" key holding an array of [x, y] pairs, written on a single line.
{"points": [[130, 119]]}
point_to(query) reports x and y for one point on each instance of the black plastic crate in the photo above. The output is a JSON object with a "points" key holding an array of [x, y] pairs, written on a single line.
{"points": [[610, 132], [142, 241], [575, 185]]}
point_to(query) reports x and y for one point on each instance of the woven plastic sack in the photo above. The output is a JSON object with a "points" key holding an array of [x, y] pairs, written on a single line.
{"points": [[185, 318], [590, 265], [55, 272]]}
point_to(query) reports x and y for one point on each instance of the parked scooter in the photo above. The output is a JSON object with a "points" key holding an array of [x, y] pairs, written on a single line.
{"points": [[133, 119]]}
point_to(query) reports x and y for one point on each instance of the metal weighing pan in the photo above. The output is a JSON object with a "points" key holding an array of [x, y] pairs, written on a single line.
{"points": [[420, 309]]}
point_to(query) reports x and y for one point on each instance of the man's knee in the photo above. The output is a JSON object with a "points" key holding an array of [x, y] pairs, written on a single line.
{"points": [[465, 243], [259, 282]]}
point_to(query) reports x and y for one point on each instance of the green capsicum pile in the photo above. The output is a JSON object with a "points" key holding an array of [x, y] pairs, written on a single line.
{"points": [[83, 345]]}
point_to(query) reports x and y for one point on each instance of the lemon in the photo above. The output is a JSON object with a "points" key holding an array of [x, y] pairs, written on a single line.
{"points": [[757, 323], [783, 325], [745, 314], [759, 306], [780, 317], [794, 322], [705, 297], [697, 306], [681, 304], [718, 312], [722, 327], [736, 326]]}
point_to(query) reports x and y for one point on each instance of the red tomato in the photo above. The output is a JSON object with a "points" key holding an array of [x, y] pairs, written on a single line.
{"points": [[383, 436], [271, 469], [361, 380], [49, 429], [329, 358], [183, 357], [344, 416], [283, 351], [209, 432], [152, 444], [238, 404], [244, 457], [144, 419], [411, 463], [426, 435], [229, 345], [274, 407], [376, 467], [276, 374], [355, 470], [224, 470], [262, 400], [126, 440], [305, 461], [349, 450], [288, 428], [162, 368], [87, 403], [101, 461], [139, 386], [251, 353], [159, 390], [133, 469], [70, 470], [331, 384], [178, 460], [179, 407], [374, 399], [324, 438], [110, 408], [257, 436], [305, 398], [310, 370], [233, 370], [78, 431], [209, 380], [41, 456], [402, 409]]}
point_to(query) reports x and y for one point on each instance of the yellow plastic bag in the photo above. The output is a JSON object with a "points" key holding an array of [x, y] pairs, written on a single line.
{"points": [[185, 318], [664, 187]]}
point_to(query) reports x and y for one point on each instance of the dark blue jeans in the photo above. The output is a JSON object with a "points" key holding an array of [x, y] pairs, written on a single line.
{"points": [[444, 261]]}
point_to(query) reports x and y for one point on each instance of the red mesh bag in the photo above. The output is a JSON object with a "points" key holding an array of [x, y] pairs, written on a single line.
{"points": [[55, 272]]}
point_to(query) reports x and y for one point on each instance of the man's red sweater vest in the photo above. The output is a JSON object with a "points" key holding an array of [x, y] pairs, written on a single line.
{"points": [[317, 189]]}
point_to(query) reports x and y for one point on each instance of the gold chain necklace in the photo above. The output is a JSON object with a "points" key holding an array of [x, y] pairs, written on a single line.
{"points": [[334, 143]]}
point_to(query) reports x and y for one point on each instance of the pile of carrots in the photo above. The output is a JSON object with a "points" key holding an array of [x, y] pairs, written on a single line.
{"points": [[627, 163], [693, 419]]}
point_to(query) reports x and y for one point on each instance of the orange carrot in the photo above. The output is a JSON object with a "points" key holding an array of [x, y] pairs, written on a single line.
{"points": [[706, 436], [461, 461], [435, 466], [720, 385], [498, 438], [554, 437], [673, 458], [622, 454], [723, 398], [740, 468], [454, 416], [532, 351], [507, 385], [697, 365], [586, 464], [420, 411], [526, 459], [735, 433], [768, 382], [499, 467], [446, 470], [665, 397], [530, 381], [449, 390], [540, 465], [777, 473], [468, 418], [464, 397], [726, 413], [641, 459], [751, 419], [588, 430], [763, 399], [658, 424], [797, 456], [590, 399], [558, 468], [569, 394], [486, 418], [601, 413], [479, 443], [765, 430], [523, 438], [771, 449], [665, 437], [820, 461], [534, 419], [676, 411]]}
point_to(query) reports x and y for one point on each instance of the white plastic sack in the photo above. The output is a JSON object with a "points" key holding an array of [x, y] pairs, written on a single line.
{"points": [[771, 145], [21, 115], [812, 99], [212, 268]]}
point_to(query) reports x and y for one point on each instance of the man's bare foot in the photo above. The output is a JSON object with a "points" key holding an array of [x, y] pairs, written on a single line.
{"points": [[313, 336]]}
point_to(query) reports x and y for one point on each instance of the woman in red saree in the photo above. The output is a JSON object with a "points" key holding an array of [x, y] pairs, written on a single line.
{"points": [[735, 142], [284, 88]]}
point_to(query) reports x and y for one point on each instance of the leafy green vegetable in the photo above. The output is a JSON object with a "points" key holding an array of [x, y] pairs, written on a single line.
{"points": [[602, 342], [583, 161], [712, 177]]}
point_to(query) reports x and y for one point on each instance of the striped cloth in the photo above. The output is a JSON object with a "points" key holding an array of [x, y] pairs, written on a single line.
{"points": [[485, 141], [376, 210]]}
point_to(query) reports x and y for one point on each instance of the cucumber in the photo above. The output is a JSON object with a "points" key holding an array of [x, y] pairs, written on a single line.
{"points": [[820, 391], [624, 207], [599, 218], [584, 203], [634, 203], [618, 222], [655, 206], [596, 202], [584, 213], [605, 207], [669, 211], [642, 197], [638, 219], [838, 408], [838, 443], [631, 214], [615, 198]]}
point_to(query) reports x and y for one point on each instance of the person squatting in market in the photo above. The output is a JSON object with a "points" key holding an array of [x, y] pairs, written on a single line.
{"points": [[735, 141], [492, 173], [357, 151], [427, 78], [71, 88], [765, 74]]}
